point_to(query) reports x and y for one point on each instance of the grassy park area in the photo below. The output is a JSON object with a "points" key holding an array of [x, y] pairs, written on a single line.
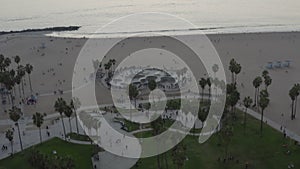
{"points": [[81, 154], [271, 151]]}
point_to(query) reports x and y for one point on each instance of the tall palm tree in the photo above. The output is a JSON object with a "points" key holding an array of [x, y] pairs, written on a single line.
{"points": [[268, 81], [292, 94], [202, 115], [152, 85], [263, 103], [133, 93], [38, 120], [15, 115], [208, 82], [68, 112], [237, 70], [202, 83], [232, 99], [297, 92], [157, 128], [60, 106], [179, 155], [265, 73], [18, 79], [28, 69], [6, 62], [75, 104], [21, 73], [256, 83], [9, 134], [232, 65], [17, 60], [247, 103]]}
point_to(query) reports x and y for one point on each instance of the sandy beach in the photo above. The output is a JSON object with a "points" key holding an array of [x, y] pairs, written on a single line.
{"points": [[53, 59]]}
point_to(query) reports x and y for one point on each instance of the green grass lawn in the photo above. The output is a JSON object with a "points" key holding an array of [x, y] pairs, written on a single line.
{"points": [[79, 137], [81, 154], [265, 152]]}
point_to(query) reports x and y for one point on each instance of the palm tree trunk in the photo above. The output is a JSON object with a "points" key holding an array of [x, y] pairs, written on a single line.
{"points": [[12, 99], [20, 136], [12, 147], [9, 99], [295, 110], [202, 94], [292, 115], [166, 161], [158, 162], [261, 122], [40, 134], [20, 91], [255, 101], [76, 122], [63, 124], [23, 87], [245, 119], [30, 83], [70, 125]]}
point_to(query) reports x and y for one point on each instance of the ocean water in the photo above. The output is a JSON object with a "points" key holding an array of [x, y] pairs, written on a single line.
{"points": [[210, 16]]}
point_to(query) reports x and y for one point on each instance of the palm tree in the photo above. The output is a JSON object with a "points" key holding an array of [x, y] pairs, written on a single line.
{"points": [[268, 81], [38, 120], [9, 134], [75, 104], [17, 60], [208, 82], [263, 103], [202, 115], [202, 83], [18, 81], [265, 73], [256, 83], [152, 84], [232, 64], [28, 69], [157, 128], [60, 106], [133, 93], [237, 70], [179, 155], [232, 100], [21, 73], [68, 112], [227, 133], [292, 94], [15, 115], [297, 89], [247, 103]]}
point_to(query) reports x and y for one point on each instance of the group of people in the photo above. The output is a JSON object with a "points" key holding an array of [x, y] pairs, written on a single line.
{"points": [[4, 148]]}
